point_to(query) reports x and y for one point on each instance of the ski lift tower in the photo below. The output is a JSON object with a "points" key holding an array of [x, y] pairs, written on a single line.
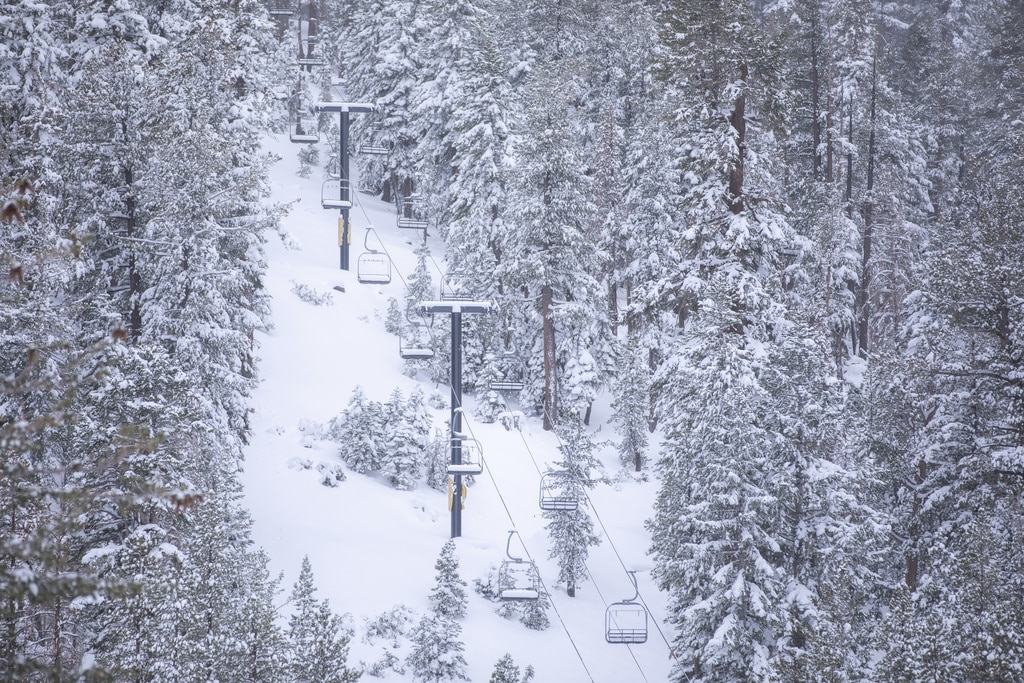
{"points": [[456, 309], [344, 202]]}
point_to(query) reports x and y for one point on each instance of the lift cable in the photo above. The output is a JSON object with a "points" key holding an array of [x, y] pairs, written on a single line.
{"points": [[604, 601], [618, 555], [468, 427]]}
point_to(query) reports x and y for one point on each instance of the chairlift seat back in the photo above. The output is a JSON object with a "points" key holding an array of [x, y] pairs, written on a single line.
{"points": [[373, 268], [625, 623]]}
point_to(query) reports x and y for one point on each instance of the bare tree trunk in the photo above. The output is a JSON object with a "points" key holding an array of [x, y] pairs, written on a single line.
{"points": [[550, 388], [134, 279], [613, 307], [868, 213], [816, 152], [913, 567], [738, 122]]}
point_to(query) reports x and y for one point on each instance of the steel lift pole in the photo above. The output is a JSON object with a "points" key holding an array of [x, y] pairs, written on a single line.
{"points": [[456, 309], [345, 184]]}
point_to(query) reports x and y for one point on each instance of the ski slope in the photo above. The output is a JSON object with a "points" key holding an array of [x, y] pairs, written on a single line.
{"points": [[372, 547]]}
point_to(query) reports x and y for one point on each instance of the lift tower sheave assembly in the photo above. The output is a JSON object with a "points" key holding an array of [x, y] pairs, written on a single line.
{"points": [[456, 309], [344, 202]]}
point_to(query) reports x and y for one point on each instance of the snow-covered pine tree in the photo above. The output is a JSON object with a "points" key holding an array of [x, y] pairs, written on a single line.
{"points": [[265, 646], [437, 648], [214, 590], [438, 456], [571, 532], [394, 320], [358, 431], [718, 517], [437, 651], [136, 637], [420, 285], [549, 251], [417, 333], [490, 404], [403, 449], [393, 84], [631, 406], [714, 524], [419, 417], [318, 637], [507, 671], [448, 597]]}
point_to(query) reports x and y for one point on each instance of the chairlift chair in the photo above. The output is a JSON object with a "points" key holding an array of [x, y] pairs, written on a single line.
{"points": [[556, 492], [472, 461], [280, 9], [331, 192], [625, 622], [510, 386], [518, 579], [408, 346], [303, 134], [451, 292], [412, 215], [512, 382], [373, 146], [310, 61], [373, 267]]}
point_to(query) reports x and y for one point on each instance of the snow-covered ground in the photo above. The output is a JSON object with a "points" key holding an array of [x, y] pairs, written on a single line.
{"points": [[373, 547]]}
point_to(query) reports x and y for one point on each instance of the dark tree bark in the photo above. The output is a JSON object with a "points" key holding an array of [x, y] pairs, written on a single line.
{"points": [[550, 389]]}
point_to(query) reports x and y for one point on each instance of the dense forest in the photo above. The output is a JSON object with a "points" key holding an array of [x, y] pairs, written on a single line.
{"points": [[784, 234]]}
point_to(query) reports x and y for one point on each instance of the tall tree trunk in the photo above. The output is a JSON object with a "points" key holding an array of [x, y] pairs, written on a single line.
{"points": [[738, 122], [613, 307], [816, 153], [550, 388], [913, 567], [868, 213], [134, 278]]}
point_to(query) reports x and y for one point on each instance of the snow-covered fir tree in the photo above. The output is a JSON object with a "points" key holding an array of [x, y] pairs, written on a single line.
{"points": [[437, 651], [448, 597], [571, 532], [631, 407], [318, 637], [357, 431], [437, 648], [404, 447], [507, 671]]}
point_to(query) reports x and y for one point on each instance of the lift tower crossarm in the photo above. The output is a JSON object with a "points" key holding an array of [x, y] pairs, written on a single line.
{"points": [[352, 107], [455, 306]]}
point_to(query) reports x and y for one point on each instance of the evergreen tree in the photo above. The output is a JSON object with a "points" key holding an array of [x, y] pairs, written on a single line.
{"points": [[404, 448], [551, 254], [265, 657], [319, 639], [506, 671], [571, 532], [357, 430], [448, 598], [437, 651], [631, 408]]}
